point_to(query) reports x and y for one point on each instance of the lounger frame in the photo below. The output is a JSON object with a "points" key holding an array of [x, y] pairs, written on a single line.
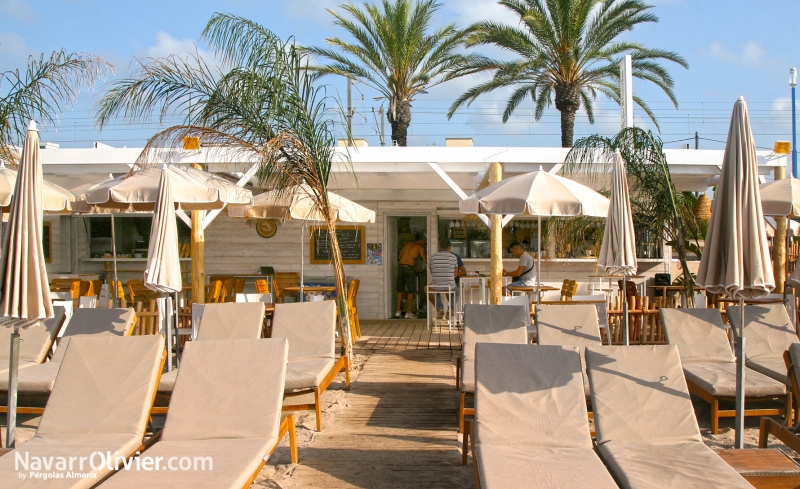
{"points": [[36, 410], [779, 430], [717, 413], [343, 363], [714, 401]]}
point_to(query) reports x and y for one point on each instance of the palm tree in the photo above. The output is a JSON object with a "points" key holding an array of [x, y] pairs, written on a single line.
{"points": [[567, 52], [41, 92], [260, 104], [394, 52], [657, 206]]}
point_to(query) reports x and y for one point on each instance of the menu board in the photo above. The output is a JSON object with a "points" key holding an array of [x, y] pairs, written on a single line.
{"points": [[351, 244]]}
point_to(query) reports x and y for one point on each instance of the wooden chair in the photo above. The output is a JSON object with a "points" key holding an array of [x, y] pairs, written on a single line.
{"points": [[137, 292], [568, 289], [262, 287], [238, 286], [123, 302], [284, 279], [277, 286], [213, 291], [227, 294], [352, 309], [71, 285], [146, 320]]}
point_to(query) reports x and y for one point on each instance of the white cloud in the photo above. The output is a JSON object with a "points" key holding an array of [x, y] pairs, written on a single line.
{"points": [[167, 45], [18, 9], [13, 50], [469, 11], [315, 10], [782, 104], [751, 53]]}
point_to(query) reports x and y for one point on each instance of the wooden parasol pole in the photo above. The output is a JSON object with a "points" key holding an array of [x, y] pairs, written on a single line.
{"points": [[496, 292], [198, 254], [779, 242]]}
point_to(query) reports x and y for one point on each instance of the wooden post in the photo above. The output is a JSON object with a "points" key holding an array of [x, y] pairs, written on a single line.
{"points": [[198, 254], [496, 292], [779, 242]]}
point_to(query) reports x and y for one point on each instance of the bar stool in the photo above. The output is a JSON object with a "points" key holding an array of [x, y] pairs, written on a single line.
{"points": [[449, 295]]}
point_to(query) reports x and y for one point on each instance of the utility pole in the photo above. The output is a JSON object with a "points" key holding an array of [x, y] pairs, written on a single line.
{"points": [[349, 107], [696, 140], [381, 114], [793, 83]]}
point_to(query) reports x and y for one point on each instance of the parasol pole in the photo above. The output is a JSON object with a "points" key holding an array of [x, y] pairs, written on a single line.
{"points": [[116, 287], [786, 261], [11, 428], [302, 261], [739, 440], [539, 261]]}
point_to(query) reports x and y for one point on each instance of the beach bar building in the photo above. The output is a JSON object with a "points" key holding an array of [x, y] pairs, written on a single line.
{"points": [[411, 189]]}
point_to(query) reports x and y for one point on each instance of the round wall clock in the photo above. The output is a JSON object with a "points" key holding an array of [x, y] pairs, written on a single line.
{"points": [[266, 228]]}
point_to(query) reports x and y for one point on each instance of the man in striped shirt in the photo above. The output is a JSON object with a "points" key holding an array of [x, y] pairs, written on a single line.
{"points": [[444, 270]]}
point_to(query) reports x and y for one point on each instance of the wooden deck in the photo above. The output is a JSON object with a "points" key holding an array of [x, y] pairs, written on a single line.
{"points": [[397, 431], [406, 334]]}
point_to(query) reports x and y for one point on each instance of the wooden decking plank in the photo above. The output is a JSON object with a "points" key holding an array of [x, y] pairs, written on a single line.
{"points": [[397, 431]]}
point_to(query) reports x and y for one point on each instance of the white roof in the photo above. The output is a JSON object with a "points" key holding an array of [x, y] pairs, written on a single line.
{"points": [[392, 173]]}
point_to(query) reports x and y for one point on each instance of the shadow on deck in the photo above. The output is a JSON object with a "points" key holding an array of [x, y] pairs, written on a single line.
{"points": [[407, 334]]}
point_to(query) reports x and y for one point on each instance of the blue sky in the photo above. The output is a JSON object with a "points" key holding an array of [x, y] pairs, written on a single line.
{"points": [[733, 47]]}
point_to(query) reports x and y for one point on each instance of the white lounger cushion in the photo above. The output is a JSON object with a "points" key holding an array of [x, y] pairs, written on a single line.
{"points": [[699, 334], [490, 324], [769, 333], [310, 328], [100, 401], [226, 405], [231, 321], [531, 426], [39, 379], [706, 355], [503, 467], [720, 380], [35, 342], [225, 321], [646, 428], [573, 325], [115, 322]]}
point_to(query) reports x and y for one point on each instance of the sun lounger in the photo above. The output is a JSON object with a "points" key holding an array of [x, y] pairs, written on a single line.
{"points": [[100, 403], [310, 328], [38, 380], [647, 432], [35, 343], [224, 321], [769, 332], [487, 324], [769, 426], [225, 410], [569, 325], [709, 364], [531, 428]]}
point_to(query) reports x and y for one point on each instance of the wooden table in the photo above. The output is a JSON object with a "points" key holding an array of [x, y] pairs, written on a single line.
{"points": [[765, 468], [673, 289], [311, 289]]}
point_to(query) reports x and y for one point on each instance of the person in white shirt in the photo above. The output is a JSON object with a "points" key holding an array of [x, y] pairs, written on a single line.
{"points": [[444, 270], [525, 274]]}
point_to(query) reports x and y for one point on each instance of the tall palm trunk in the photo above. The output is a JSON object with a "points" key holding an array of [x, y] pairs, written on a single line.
{"points": [[567, 102], [400, 118], [341, 291]]}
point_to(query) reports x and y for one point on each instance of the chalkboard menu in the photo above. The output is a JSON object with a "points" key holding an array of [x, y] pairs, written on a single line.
{"points": [[351, 243]]}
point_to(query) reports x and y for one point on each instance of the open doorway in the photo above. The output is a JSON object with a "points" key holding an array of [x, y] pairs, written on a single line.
{"points": [[400, 231]]}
